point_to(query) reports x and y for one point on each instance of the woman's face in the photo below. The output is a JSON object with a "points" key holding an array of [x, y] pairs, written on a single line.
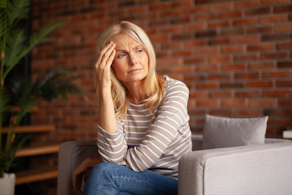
{"points": [[131, 60]]}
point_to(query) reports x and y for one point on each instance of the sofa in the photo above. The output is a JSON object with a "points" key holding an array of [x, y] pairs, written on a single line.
{"points": [[259, 169]]}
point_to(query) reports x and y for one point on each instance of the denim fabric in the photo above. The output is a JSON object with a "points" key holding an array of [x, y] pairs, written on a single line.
{"points": [[112, 179]]}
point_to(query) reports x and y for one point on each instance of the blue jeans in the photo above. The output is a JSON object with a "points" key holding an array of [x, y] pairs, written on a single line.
{"points": [[112, 179]]}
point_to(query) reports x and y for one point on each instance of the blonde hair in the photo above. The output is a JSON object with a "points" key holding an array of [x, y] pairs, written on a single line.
{"points": [[153, 85]]}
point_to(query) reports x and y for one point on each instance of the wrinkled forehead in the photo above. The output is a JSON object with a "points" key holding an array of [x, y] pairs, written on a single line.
{"points": [[125, 41]]}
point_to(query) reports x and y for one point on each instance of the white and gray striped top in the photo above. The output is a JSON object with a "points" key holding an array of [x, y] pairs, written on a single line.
{"points": [[147, 141]]}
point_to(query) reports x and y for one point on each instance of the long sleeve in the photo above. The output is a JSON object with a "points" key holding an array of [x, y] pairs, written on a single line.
{"points": [[151, 141], [112, 147], [172, 115]]}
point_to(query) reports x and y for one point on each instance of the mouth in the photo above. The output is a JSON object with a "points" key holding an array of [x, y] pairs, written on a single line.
{"points": [[134, 70]]}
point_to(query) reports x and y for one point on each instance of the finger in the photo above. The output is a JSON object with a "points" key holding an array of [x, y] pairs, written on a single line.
{"points": [[106, 57], [102, 52], [111, 58]]}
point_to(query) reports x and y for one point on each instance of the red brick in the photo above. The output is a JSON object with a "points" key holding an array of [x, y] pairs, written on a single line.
{"points": [[245, 22], [207, 85], [234, 103], [247, 39], [263, 103], [233, 85], [205, 51], [180, 4], [277, 93], [168, 13], [260, 29], [182, 36], [205, 17], [186, 19], [172, 45], [139, 9], [276, 74], [198, 95], [272, 19], [248, 75], [221, 41], [285, 121], [260, 84], [194, 61], [283, 8], [249, 112], [221, 94], [283, 27], [195, 10], [207, 68], [248, 94], [220, 7], [161, 6], [221, 112], [170, 29], [219, 77], [208, 103], [281, 55], [182, 53], [261, 47], [184, 69], [284, 64], [195, 43], [194, 78], [232, 14], [258, 11], [285, 103], [275, 37], [261, 65], [192, 27], [158, 38], [233, 67], [277, 112], [245, 4], [219, 24], [229, 32], [275, 1], [233, 49], [284, 83], [216, 59], [284, 45], [169, 62]]}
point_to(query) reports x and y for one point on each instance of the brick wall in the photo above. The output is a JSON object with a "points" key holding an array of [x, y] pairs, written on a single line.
{"points": [[235, 56]]}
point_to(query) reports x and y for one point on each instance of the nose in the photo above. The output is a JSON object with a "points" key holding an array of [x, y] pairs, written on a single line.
{"points": [[133, 60]]}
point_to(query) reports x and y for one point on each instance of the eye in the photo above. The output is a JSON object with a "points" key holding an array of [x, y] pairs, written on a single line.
{"points": [[121, 55], [139, 50]]}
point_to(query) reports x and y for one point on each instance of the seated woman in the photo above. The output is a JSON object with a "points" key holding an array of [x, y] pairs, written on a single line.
{"points": [[143, 125]]}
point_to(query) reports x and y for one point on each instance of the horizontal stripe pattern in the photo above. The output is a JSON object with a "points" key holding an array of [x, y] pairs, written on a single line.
{"points": [[147, 141]]}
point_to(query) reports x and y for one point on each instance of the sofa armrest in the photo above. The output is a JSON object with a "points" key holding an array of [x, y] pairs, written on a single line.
{"points": [[71, 155], [255, 169]]}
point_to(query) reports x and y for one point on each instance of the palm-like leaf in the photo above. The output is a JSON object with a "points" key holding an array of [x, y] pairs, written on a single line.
{"points": [[14, 46], [3, 22], [17, 9], [3, 4], [34, 40]]}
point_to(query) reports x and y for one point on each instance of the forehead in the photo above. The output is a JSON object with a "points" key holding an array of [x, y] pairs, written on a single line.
{"points": [[125, 40]]}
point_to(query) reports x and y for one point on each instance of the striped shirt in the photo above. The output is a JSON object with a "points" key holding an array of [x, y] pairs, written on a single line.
{"points": [[151, 141]]}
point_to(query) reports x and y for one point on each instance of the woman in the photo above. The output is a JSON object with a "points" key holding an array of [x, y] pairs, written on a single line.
{"points": [[143, 125]]}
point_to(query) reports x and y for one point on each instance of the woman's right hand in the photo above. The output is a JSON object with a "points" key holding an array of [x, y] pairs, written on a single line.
{"points": [[103, 66], [84, 169]]}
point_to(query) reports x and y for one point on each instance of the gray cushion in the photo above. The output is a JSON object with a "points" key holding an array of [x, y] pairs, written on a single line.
{"points": [[220, 132]]}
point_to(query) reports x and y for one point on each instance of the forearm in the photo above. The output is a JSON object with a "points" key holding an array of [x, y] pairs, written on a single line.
{"points": [[92, 161], [107, 118]]}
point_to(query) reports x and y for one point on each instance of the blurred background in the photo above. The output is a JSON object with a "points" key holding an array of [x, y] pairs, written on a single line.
{"points": [[234, 55]]}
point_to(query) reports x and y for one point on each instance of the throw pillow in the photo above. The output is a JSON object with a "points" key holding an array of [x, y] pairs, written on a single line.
{"points": [[220, 132]]}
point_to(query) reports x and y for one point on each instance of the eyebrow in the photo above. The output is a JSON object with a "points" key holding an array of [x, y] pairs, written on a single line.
{"points": [[133, 48]]}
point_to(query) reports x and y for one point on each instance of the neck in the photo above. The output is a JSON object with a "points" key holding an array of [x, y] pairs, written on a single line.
{"points": [[135, 93]]}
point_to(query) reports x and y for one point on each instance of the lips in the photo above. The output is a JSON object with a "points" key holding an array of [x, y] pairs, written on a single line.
{"points": [[134, 70]]}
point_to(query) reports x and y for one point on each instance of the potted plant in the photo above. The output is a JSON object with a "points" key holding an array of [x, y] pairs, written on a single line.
{"points": [[18, 96]]}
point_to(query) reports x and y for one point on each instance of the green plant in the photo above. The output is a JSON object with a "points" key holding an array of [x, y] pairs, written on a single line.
{"points": [[16, 100]]}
